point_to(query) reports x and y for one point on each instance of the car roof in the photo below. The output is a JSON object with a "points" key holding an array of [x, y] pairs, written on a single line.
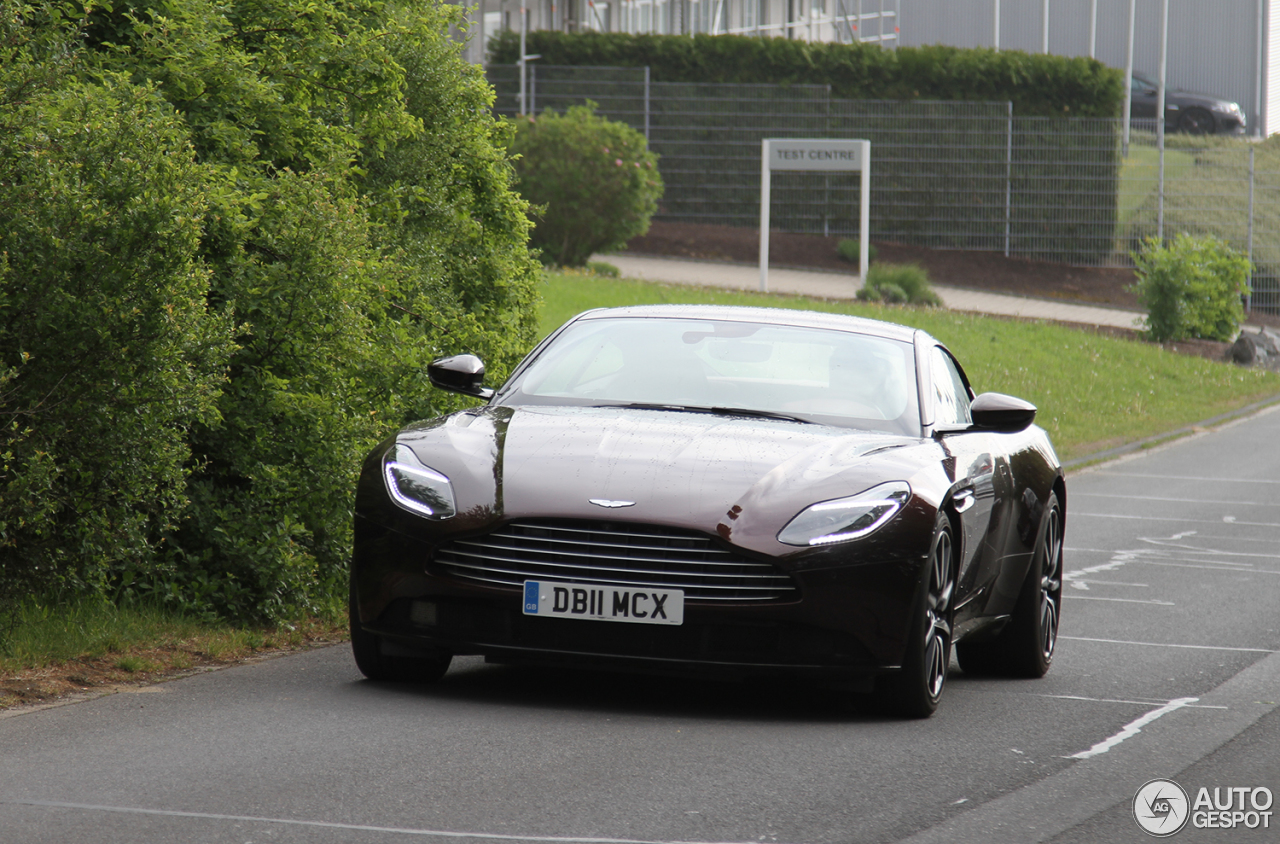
{"points": [[772, 316]]}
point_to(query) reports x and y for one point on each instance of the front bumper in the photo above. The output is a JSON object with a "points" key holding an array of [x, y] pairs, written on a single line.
{"points": [[848, 619]]}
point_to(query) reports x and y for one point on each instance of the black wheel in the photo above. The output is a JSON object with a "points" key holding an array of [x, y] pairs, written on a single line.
{"points": [[1025, 647], [914, 692], [1196, 121], [379, 659]]}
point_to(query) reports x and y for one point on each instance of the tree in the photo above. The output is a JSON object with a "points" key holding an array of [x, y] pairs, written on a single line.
{"points": [[108, 348], [340, 208]]}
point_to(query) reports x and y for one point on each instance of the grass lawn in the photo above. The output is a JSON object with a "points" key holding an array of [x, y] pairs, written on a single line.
{"points": [[1093, 391], [64, 648], [1140, 176]]}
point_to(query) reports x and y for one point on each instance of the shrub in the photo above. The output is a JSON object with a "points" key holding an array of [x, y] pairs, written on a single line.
{"points": [[595, 179], [603, 269], [1037, 84], [1192, 288], [850, 250], [219, 288], [108, 350], [898, 284]]}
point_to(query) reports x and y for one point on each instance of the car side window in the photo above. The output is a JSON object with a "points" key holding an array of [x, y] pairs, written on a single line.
{"points": [[950, 396]]}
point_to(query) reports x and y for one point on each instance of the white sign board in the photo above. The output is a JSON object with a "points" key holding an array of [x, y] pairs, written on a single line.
{"points": [[814, 154]]}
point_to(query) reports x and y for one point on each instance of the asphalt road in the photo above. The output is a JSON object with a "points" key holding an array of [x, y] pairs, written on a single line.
{"points": [[1169, 667]]}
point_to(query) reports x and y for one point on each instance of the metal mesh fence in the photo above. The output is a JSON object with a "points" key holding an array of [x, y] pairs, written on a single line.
{"points": [[1229, 190], [954, 175]]}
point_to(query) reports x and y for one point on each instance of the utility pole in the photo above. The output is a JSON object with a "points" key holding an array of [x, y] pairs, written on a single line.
{"points": [[1164, 68], [1093, 29], [1044, 37], [1128, 82]]}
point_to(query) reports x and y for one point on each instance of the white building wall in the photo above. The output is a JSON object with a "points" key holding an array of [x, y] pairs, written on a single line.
{"points": [[1212, 43], [1271, 61]]}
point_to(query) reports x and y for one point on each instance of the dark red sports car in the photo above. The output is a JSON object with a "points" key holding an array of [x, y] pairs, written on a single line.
{"points": [[740, 490]]}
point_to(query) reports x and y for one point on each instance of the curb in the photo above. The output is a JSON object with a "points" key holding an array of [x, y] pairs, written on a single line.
{"points": [[1178, 433]]}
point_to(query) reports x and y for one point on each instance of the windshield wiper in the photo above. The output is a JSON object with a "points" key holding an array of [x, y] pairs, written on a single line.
{"points": [[719, 411]]}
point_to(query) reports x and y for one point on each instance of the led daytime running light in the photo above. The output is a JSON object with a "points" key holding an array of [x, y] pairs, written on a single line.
{"points": [[416, 487]]}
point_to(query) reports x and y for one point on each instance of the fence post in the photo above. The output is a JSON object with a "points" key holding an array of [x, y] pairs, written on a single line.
{"points": [[1008, 179], [1248, 297], [646, 103]]}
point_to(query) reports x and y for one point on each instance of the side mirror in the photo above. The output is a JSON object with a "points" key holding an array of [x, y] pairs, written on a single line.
{"points": [[459, 374], [1001, 413]]}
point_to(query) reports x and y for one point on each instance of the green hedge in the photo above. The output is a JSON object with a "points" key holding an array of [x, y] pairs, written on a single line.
{"points": [[1037, 85]]}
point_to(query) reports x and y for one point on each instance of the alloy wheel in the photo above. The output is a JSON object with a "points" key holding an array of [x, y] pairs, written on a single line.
{"points": [[1051, 583], [937, 653]]}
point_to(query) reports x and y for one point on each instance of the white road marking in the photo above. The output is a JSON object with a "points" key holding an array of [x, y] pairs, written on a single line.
{"points": [[1183, 500], [1133, 728], [432, 833], [1235, 539], [1118, 600], [1167, 645], [1078, 514], [1190, 478], [1131, 702], [1118, 559], [1194, 550], [1083, 585], [1209, 567]]}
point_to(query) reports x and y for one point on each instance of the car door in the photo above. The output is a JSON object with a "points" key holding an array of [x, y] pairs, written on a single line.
{"points": [[978, 473], [1143, 100]]}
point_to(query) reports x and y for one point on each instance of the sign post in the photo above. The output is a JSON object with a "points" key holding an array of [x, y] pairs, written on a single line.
{"points": [[820, 154]]}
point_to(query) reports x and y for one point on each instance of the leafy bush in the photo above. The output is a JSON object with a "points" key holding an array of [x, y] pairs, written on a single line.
{"points": [[595, 179], [1206, 193], [1192, 288], [108, 349], [898, 284], [850, 250], [1037, 84], [345, 281], [220, 288]]}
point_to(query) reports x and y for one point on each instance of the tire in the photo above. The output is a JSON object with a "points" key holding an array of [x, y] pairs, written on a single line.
{"points": [[405, 666], [1025, 647], [914, 692], [1196, 121]]}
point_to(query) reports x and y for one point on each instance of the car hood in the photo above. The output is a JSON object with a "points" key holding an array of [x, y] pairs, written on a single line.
{"points": [[737, 476]]}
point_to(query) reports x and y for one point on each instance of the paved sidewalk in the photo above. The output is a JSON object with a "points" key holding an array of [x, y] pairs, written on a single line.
{"points": [[829, 285]]}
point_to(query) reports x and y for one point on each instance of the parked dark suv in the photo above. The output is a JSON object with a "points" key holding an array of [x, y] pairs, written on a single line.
{"points": [[1187, 111]]}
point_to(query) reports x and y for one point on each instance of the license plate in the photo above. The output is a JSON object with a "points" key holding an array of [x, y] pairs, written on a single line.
{"points": [[597, 602]]}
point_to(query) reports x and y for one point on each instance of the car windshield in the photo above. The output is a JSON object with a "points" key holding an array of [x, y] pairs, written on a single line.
{"points": [[1143, 83], [808, 374]]}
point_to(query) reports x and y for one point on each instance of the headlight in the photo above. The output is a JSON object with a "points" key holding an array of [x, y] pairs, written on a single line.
{"points": [[846, 518], [416, 487]]}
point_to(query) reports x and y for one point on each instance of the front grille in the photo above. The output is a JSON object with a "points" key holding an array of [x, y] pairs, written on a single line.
{"points": [[615, 553]]}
